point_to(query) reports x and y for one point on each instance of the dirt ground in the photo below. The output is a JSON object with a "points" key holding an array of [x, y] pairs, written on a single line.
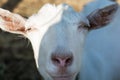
{"points": [[28, 7], [16, 55]]}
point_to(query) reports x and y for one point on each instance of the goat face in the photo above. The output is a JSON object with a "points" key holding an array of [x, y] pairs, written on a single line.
{"points": [[62, 47], [57, 35], [60, 50]]}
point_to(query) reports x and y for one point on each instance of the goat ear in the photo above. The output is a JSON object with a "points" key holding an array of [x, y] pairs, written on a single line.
{"points": [[102, 17], [11, 22]]}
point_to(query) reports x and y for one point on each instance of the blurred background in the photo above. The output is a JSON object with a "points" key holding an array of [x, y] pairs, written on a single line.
{"points": [[16, 54]]}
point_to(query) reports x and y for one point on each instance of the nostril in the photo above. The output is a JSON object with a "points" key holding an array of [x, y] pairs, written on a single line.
{"points": [[61, 60], [69, 60], [55, 60]]}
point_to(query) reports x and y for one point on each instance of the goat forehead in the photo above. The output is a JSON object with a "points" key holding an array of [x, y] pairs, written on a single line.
{"points": [[61, 35], [58, 33], [51, 14]]}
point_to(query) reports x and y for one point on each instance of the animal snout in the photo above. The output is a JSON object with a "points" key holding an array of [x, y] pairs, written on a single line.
{"points": [[62, 60]]}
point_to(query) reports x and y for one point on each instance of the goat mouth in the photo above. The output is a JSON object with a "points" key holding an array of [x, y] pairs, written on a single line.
{"points": [[62, 78]]}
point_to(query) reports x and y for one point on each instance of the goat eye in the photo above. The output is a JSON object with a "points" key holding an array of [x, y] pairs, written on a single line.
{"points": [[83, 25], [29, 29]]}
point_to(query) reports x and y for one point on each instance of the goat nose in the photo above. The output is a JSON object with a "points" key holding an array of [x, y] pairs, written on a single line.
{"points": [[62, 60]]}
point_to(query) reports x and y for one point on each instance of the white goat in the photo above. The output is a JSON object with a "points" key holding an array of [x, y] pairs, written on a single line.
{"points": [[57, 34]]}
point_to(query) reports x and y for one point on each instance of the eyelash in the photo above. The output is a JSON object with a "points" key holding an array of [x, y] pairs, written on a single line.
{"points": [[83, 25]]}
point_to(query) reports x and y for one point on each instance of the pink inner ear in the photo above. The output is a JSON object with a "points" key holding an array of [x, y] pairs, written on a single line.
{"points": [[13, 23], [14, 27], [5, 18]]}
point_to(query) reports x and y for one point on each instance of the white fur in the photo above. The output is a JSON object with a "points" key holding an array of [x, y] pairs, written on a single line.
{"points": [[49, 15], [56, 26]]}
